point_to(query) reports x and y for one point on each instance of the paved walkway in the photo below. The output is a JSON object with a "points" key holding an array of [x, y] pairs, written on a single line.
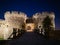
{"points": [[31, 39]]}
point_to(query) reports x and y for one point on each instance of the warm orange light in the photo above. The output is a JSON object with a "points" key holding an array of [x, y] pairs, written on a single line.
{"points": [[31, 25]]}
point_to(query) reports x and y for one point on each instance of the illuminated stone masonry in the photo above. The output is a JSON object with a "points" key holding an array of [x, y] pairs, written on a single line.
{"points": [[19, 20]]}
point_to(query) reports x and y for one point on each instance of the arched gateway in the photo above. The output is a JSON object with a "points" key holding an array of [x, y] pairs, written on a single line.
{"points": [[30, 25]]}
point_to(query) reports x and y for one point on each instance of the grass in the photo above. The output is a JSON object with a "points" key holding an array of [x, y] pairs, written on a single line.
{"points": [[1, 39]]}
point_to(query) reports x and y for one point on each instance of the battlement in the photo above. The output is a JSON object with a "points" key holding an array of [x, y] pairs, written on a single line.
{"points": [[14, 14], [44, 14]]}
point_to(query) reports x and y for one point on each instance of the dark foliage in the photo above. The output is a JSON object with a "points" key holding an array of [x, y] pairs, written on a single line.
{"points": [[47, 26], [47, 23]]}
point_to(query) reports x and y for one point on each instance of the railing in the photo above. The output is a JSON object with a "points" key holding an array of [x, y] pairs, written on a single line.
{"points": [[10, 36], [16, 34]]}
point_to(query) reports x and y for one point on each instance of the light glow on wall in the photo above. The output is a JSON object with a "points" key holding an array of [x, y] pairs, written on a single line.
{"points": [[32, 25]]}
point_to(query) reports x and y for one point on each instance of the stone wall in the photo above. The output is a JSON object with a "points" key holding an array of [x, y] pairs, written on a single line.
{"points": [[15, 19]]}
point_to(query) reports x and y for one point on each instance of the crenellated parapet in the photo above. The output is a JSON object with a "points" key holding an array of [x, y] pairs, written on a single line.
{"points": [[14, 14], [44, 14]]}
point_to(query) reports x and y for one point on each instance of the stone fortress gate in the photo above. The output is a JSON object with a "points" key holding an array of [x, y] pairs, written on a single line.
{"points": [[15, 21]]}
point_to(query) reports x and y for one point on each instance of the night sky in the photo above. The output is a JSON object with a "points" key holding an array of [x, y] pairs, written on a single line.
{"points": [[31, 7]]}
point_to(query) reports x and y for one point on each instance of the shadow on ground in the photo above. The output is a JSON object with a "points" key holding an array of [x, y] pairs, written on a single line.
{"points": [[30, 38]]}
